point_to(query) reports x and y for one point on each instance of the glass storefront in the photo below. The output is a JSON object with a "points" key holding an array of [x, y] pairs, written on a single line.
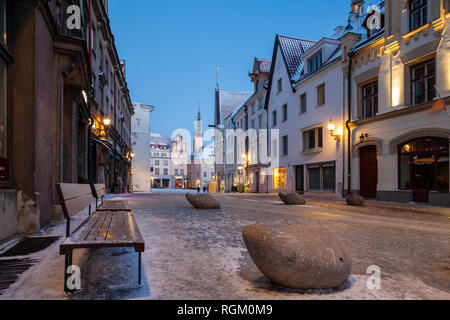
{"points": [[424, 164], [279, 178], [322, 177]]}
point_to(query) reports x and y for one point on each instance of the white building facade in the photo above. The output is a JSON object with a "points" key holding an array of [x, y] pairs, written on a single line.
{"points": [[140, 139], [400, 150]]}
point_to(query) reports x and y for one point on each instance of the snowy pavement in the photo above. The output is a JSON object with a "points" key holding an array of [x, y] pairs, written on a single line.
{"points": [[192, 254]]}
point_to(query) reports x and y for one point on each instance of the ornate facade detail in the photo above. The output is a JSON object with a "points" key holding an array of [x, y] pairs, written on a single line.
{"points": [[370, 141], [419, 133]]}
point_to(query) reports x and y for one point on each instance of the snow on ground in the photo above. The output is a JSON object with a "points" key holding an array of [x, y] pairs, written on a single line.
{"points": [[192, 254]]}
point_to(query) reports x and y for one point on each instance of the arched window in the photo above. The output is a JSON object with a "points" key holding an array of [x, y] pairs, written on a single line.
{"points": [[424, 164]]}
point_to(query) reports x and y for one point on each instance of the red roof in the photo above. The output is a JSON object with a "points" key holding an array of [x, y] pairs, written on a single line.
{"points": [[264, 65], [292, 49]]}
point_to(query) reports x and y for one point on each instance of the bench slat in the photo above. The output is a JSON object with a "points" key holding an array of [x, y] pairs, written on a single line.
{"points": [[99, 190], [74, 197], [115, 205], [107, 229]]}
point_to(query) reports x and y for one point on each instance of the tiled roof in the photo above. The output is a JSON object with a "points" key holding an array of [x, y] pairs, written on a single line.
{"points": [[230, 101], [293, 49], [264, 65]]}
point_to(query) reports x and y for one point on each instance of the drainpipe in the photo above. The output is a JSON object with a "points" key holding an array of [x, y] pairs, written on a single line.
{"points": [[347, 123]]}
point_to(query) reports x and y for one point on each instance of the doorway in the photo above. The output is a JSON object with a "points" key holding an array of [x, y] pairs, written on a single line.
{"points": [[368, 169], [299, 187], [257, 181]]}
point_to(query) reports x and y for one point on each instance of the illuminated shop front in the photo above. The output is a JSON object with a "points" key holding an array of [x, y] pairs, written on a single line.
{"points": [[279, 178]]}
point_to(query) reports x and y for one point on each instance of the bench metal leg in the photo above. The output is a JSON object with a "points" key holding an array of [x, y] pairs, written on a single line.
{"points": [[139, 264], [66, 265]]}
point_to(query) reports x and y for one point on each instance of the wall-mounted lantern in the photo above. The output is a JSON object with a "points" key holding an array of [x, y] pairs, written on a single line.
{"points": [[336, 134]]}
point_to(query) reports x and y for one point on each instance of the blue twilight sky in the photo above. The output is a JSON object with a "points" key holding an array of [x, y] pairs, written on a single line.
{"points": [[172, 47]]}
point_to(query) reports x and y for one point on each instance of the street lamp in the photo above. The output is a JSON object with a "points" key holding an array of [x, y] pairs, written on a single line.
{"points": [[332, 128]]}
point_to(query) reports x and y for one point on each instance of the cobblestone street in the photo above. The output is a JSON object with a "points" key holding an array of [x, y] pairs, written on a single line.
{"points": [[192, 254]]}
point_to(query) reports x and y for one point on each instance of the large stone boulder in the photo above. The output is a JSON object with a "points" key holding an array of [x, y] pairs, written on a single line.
{"points": [[292, 199], [300, 257], [354, 199], [202, 201]]}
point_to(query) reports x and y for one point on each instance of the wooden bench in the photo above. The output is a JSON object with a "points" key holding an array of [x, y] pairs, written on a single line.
{"points": [[99, 192], [104, 229]]}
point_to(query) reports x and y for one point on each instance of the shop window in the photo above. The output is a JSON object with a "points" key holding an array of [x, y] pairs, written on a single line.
{"points": [[424, 164], [423, 80], [279, 178], [322, 177]]}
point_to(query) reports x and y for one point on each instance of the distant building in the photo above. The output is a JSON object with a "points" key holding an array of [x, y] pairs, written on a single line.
{"points": [[225, 103], [160, 161], [201, 169], [140, 136], [179, 163]]}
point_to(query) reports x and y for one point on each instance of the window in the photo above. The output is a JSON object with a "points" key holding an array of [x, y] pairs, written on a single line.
{"points": [[157, 162], [303, 103], [166, 171], [315, 62], [274, 118], [312, 139], [423, 79], [182, 172], [166, 163], [418, 13], [279, 178], [285, 112], [285, 149], [3, 21], [204, 174], [254, 108], [257, 85], [157, 171], [322, 177], [274, 148], [253, 124], [424, 164], [321, 95], [260, 122], [176, 172], [261, 103], [4, 162], [369, 100], [280, 85]]}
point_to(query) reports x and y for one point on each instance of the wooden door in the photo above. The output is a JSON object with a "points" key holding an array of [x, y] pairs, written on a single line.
{"points": [[368, 171]]}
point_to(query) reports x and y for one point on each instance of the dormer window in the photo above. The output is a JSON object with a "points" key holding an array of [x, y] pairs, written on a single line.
{"points": [[315, 62], [418, 13]]}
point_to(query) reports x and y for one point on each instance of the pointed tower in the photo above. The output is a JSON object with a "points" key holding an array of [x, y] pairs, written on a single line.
{"points": [[198, 132]]}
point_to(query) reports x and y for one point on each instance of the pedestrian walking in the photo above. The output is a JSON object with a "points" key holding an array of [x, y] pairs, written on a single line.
{"points": [[198, 189], [205, 189]]}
